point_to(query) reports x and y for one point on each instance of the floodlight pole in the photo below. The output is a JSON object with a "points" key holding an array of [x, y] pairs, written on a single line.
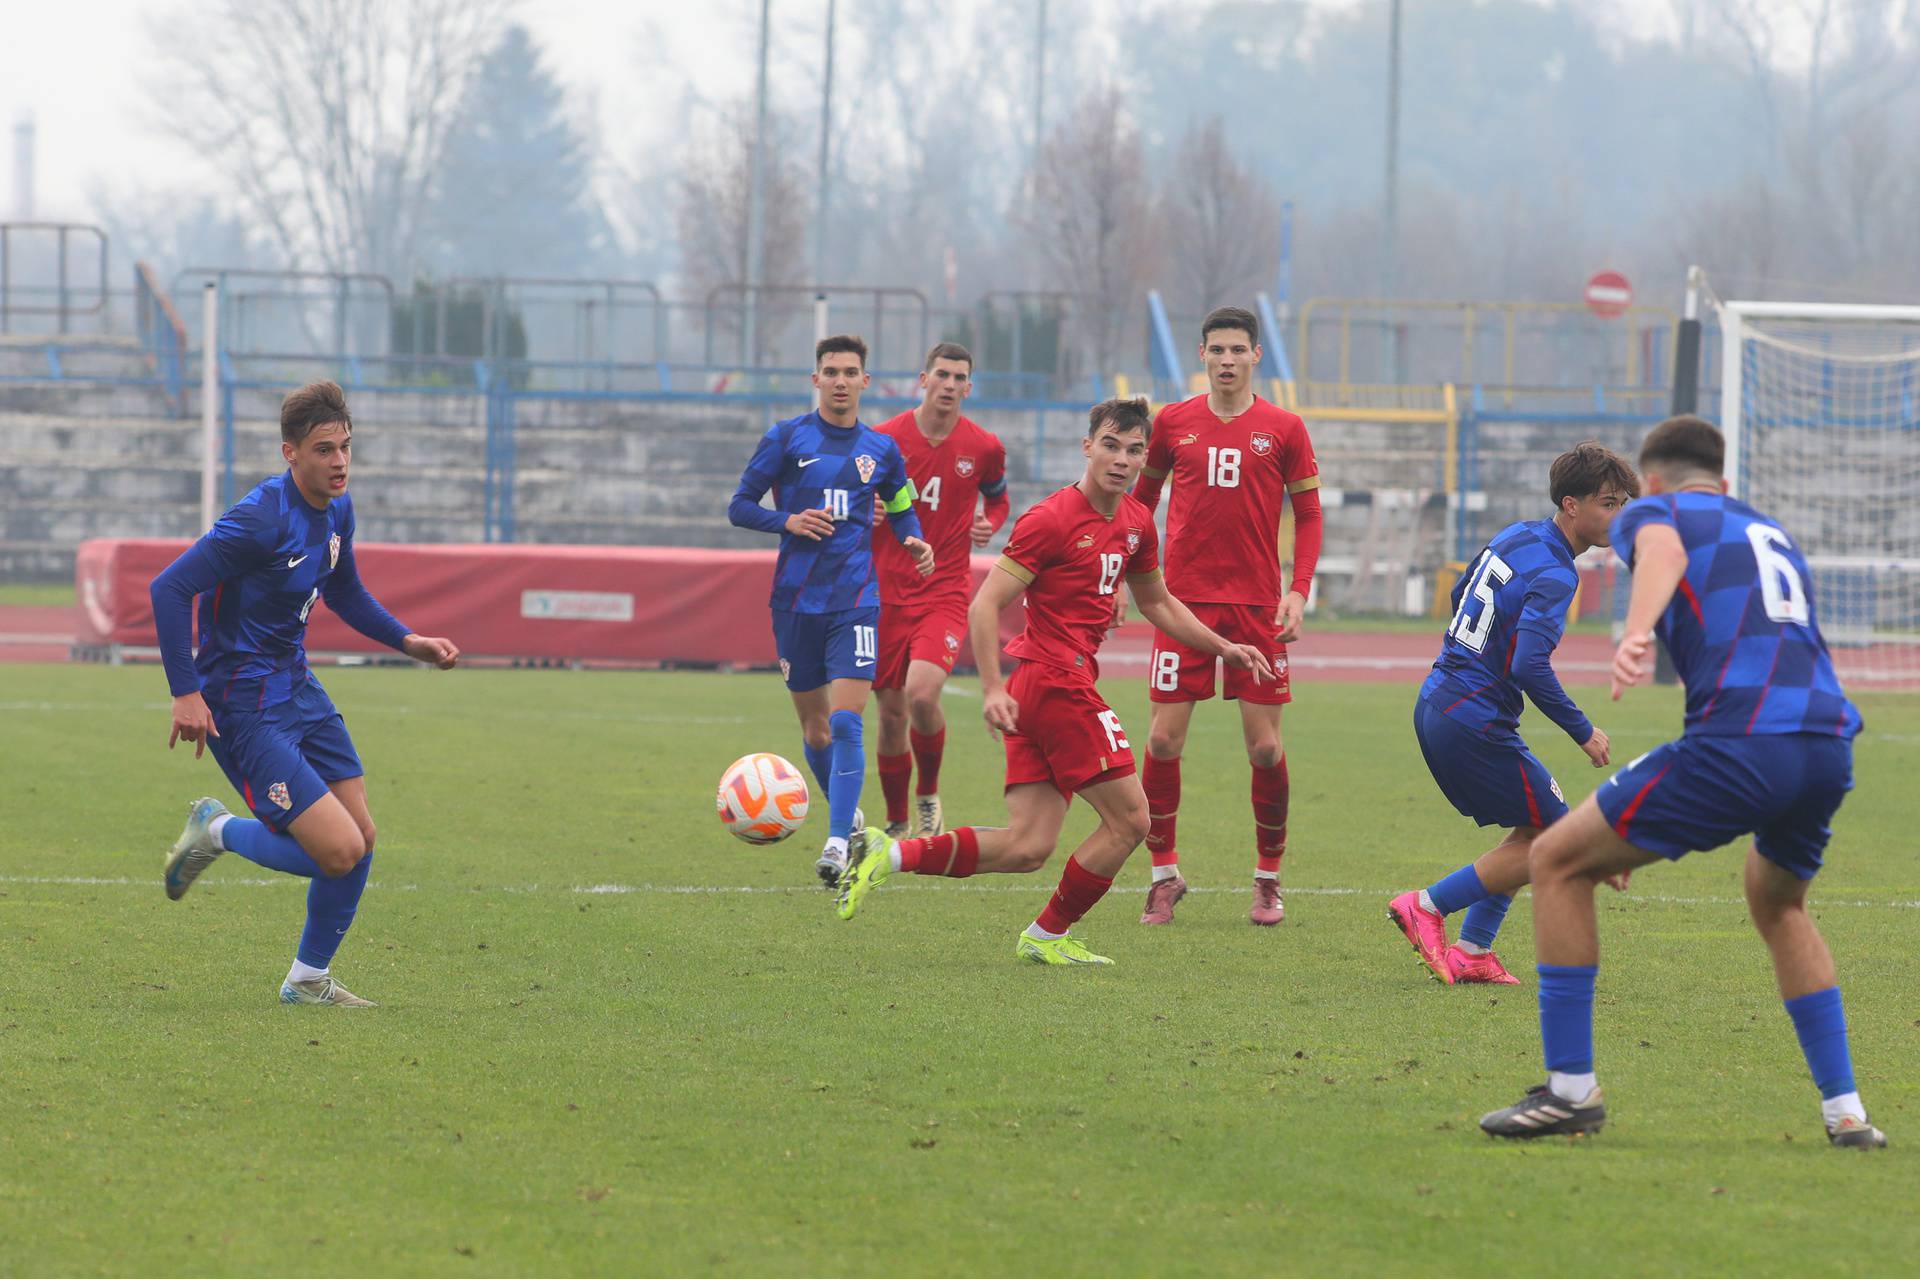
{"points": [[1390, 258], [756, 200], [826, 133], [209, 398]]}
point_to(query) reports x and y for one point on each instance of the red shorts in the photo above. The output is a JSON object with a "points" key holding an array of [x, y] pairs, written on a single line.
{"points": [[1068, 736], [919, 633], [1181, 674]]}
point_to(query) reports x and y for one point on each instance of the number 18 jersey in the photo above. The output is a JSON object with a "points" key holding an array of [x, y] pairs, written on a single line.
{"points": [[1741, 627], [1523, 580]]}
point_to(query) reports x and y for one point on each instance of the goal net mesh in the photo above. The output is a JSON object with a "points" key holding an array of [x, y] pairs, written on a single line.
{"points": [[1827, 417]]}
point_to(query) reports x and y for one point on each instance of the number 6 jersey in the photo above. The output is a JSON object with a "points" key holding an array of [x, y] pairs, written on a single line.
{"points": [[1741, 627]]}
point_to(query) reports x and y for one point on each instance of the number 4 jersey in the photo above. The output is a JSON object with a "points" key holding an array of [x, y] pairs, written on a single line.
{"points": [[1510, 610], [1741, 627]]}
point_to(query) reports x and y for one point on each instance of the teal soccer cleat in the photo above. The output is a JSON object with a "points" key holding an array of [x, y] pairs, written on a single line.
{"points": [[196, 848]]}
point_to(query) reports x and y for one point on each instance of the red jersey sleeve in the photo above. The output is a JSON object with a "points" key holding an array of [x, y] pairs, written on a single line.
{"points": [[1146, 490], [1030, 549], [993, 485], [1301, 468]]}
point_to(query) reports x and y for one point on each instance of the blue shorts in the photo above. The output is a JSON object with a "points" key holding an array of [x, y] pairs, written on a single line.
{"points": [[281, 758], [817, 648], [1702, 792], [1491, 777]]}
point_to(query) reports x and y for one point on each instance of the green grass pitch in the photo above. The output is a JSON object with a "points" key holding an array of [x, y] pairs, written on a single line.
{"points": [[613, 1040]]}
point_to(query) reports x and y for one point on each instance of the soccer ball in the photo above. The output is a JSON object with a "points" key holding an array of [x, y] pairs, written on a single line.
{"points": [[762, 798]]}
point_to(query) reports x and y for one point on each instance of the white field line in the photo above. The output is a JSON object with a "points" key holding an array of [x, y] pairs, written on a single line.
{"points": [[1028, 886]]}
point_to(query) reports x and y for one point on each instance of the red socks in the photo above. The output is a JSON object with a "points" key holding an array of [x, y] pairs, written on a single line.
{"points": [[1269, 816], [1079, 889], [954, 854], [895, 772], [927, 749], [1161, 780]]}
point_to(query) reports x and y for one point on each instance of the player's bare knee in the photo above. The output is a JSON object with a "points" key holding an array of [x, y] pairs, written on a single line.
{"points": [[1028, 854], [817, 736], [924, 706], [1265, 754], [1165, 746], [339, 856], [1129, 825]]}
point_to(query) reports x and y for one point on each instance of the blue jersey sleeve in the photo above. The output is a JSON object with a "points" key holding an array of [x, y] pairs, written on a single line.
{"points": [[1635, 516], [745, 511], [1533, 672], [897, 495], [1544, 610], [242, 539], [347, 596]]}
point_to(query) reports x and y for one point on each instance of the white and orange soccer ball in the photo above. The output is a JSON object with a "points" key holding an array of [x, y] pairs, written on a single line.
{"points": [[762, 798]]}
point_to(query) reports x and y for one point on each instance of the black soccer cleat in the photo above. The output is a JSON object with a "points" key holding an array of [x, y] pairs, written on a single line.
{"points": [[1542, 1113], [1856, 1134]]}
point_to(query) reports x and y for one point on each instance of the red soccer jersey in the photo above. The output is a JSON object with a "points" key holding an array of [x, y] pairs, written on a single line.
{"points": [[1072, 559], [948, 479], [1229, 484]]}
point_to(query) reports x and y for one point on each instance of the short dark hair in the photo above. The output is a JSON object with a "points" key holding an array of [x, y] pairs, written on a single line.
{"points": [[1685, 443], [1230, 317], [840, 342], [948, 351], [315, 404], [1590, 468], [1120, 416]]}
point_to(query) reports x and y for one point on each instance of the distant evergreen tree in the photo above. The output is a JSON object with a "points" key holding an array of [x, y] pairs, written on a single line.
{"points": [[515, 195]]}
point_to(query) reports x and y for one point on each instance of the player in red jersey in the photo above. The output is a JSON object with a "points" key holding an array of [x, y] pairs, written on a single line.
{"points": [[953, 464], [1233, 459], [1068, 554]]}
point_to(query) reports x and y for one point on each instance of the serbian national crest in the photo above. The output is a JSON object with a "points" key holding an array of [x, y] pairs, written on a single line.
{"points": [[333, 552], [1133, 540], [1262, 443], [866, 466], [963, 467], [953, 642]]}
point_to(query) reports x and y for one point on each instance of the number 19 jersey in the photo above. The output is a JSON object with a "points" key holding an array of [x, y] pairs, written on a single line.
{"points": [[1741, 626], [1072, 559]]}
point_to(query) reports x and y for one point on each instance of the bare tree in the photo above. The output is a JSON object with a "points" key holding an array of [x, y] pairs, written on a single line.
{"points": [[1222, 224], [711, 212], [1090, 219], [328, 118]]}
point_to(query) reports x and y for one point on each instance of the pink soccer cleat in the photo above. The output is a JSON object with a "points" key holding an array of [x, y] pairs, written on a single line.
{"points": [[1484, 969], [1160, 899], [1268, 909], [1425, 930]]}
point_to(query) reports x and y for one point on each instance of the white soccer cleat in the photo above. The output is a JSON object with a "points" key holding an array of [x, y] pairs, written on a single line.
{"points": [[322, 990], [929, 820], [195, 850]]}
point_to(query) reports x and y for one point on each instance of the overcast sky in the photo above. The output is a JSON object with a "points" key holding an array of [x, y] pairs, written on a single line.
{"points": [[77, 67]]}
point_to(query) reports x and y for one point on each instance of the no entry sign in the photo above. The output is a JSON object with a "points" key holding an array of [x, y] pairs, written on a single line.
{"points": [[1608, 294]]}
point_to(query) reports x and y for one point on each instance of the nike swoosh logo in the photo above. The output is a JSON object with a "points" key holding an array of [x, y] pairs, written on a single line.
{"points": [[809, 462], [296, 563], [868, 662]]}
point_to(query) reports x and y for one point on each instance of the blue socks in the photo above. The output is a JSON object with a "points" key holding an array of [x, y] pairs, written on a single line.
{"points": [[1822, 1028], [1483, 921], [820, 763], [1566, 1017], [1458, 890], [331, 904], [259, 844], [849, 771]]}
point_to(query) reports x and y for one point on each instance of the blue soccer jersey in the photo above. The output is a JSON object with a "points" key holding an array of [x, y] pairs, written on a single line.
{"points": [[1510, 610], [1741, 628], [257, 574], [810, 464]]}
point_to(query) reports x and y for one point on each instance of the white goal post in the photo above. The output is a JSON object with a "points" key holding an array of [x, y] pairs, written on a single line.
{"points": [[1820, 403]]}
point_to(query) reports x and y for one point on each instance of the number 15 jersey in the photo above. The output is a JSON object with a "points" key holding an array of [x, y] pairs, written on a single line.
{"points": [[1741, 626]]}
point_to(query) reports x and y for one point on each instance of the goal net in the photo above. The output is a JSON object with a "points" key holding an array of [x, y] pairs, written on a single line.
{"points": [[1821, 408]]}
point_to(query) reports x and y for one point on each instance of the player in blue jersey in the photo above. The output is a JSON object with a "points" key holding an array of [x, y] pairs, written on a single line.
{"points": [[825, 469], [249, 695], [1767, 750], [1510, 610]]}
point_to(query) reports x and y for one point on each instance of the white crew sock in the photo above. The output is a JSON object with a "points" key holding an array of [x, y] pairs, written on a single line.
{"points": [[218, 825], [836, 845], [1470, 948], [1266, 874], [1834, 1109], [1040, 934], [305, 972], [893, 854], [1426, 902], [1571, 1087], [1170, 871]]}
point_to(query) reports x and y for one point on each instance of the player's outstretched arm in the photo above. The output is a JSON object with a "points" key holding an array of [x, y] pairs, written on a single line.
{"points": [[996, 594], [1659, 561], [1159, 606], [239, 540]]}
